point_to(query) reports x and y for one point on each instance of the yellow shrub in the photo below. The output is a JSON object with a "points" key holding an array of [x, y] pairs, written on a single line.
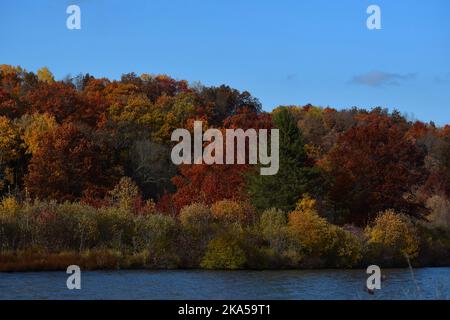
{"points": [[9, 206], [228, 211], [348, 248], [196, 215], [223, 252], [394, 235], [314, 233]]}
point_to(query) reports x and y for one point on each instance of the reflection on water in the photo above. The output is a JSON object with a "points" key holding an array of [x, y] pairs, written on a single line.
{"points": [[428, 283]]}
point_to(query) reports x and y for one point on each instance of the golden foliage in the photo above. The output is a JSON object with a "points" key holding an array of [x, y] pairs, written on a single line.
{"points": [[393, 234]]}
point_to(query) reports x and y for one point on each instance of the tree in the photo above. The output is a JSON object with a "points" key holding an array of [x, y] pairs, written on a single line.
{"points": [[56, 98], [374, 168], [34, 130], [10, 153], [208, 184], [211, 183], [45, 75], [314, 237], [71, 164], [392, 236], [222, 102], [314, 233], [9, 105], [296, 175]]}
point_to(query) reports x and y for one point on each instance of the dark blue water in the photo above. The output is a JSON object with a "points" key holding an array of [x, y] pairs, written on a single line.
{"points": [[427, 283]]}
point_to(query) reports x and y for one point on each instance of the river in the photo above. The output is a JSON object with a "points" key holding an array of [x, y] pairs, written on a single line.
{"points": [[426, 283]]}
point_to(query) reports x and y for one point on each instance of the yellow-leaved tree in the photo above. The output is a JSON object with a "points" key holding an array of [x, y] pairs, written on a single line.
{"points": [[392, 237]]}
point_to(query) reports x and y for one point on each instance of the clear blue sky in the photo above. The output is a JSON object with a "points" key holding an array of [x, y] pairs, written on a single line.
{"points": [[283, 52]]}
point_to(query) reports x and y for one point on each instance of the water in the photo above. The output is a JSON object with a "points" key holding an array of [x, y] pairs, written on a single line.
{"points": [[430, 283]]}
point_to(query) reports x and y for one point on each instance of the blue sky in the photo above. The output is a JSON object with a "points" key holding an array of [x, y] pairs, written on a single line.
{"points": [[283, 52]]}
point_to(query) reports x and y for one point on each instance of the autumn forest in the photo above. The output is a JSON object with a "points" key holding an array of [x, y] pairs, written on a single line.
{"points": [[86, 178]]}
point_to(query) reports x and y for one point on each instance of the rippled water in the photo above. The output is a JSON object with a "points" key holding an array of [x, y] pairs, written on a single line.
{"points": [[428, 283]]}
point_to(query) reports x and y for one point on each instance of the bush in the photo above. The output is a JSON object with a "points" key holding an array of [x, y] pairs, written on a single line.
{"points": [[271, 222], [319, 243], [228, 212], [115, 227], [347, 251], [198, 229], [434, 247], [440, 212], [154, 232], [314, 234], [9, 227], [196, 216], [273, 228], [223, 252], [125, 193], [392, 237], [81, 224]]}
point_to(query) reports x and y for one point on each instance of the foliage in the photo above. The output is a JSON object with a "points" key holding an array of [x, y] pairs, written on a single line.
{"points": [[312, 232], [196, 215], [228, 212], [70, 164], [440, 212], [45, 75], [156, 233], [125, 193], [315, 238], [223, 253], [35, 129], [392, 237], [273, 229], [296, 175], [85, 167], [375, 168]]}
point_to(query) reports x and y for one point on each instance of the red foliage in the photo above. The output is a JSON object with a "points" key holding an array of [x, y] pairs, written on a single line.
{"points": [[70, 164], [374, 166], [65, 103], [208, 184], [211, 183], [9, 106]]}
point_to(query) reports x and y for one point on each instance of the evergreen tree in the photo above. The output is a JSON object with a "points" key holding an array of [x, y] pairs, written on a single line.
{"points": [[296, 176]]}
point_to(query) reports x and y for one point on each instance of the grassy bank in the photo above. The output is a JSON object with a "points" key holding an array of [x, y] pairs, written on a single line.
{"points": [[29, 260], [227, 235]]}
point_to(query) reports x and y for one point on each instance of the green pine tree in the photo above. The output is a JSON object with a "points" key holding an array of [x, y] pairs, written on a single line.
{"points": [[295, 176]]}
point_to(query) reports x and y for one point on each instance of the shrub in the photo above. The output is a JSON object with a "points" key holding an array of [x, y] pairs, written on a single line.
{"points": [[81, 224], [228, 212], [9, 228], [434, 247], [440, 212], [195, 216], [125, 193], [347, 251], [391, 237], [223, 252], [155, 233], [115, 226], [198, 229], [9, 205], [272, 226], [312, 232], [271, 222]]}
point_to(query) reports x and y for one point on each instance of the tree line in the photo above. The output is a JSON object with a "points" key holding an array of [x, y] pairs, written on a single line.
{"points": [[89, 148]]}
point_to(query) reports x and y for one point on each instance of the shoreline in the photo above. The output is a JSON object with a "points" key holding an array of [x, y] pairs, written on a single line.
{"points": [[19, 262]]}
